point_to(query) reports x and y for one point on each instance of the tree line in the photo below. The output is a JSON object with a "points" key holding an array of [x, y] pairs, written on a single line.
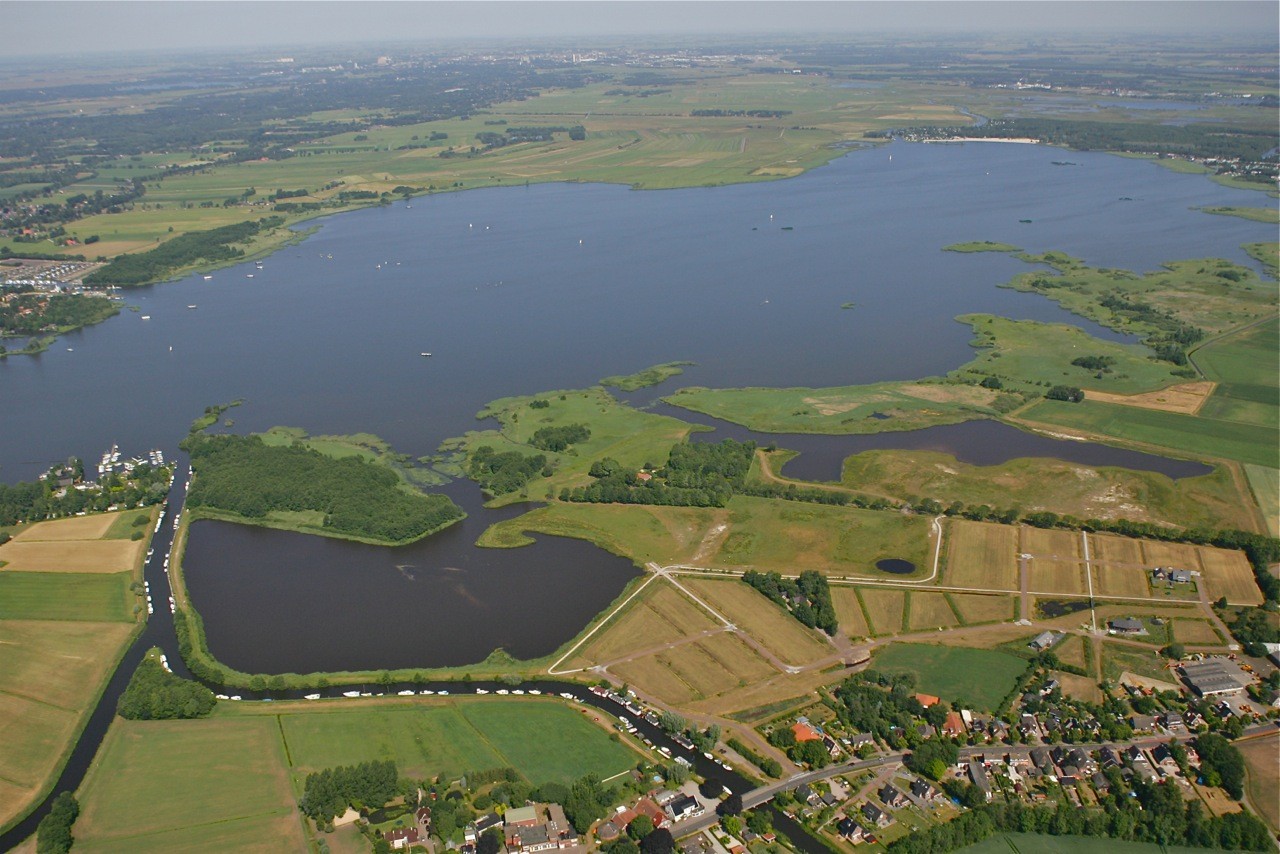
{"points": [[214, 245], [327, 794], [697, 474]]}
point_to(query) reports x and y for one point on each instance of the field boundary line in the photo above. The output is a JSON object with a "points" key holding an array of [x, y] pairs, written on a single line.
{"points": [[40, 702], [552, 669]]}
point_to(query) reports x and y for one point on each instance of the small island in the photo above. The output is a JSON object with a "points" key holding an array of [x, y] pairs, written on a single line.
{"points": [[982, 246]]}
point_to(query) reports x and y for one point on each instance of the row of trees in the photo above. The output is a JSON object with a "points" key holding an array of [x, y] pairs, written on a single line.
{"points": [[53, 834], [155, 694], [243, 475], [212, 246], [808, 598], [1155, 813]]}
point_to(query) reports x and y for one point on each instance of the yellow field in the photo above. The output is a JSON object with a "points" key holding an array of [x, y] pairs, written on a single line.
{"points": [[659, 615], [1228, 573], [70, 555], [1047, 543], [885, 609], [1185, 397], [1079, 687], [1177, 555], [930, 610], [699, 670], [780, 687], [50, 673], [984, 608], [1198, 632], [1120, 580], [853, 622], [1108, 548], [651, 675], [982, 555], [1070, 650], [1264, 775], [754, 614], [76, 528], [1053, 576]]}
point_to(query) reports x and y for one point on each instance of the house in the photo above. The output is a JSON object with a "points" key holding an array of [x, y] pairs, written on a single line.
{"points": [[850, 830], [646, 807], [1041, 758], [953, 725], [526, 816], [1100, 783], [875, 815], [684, 806], [978, 776], [402, 837], [696, 844], [423, 819], [927, 700], [1142, 723], [1043, 641], [1109, 757], [861, 739], [924, 791], [1164, 759], [1173, 722], [1126, 626], [891, 797]]}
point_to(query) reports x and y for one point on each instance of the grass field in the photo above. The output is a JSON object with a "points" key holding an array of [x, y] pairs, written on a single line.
{"points": [[1198, 435], [981, 555], [1025, 354], [978, 677], [885, 608], [1228, 573], [1071, 650], [767, 623], [1108, 549], [154, 783], [1263, 776], [106, 556], [1034, 843], [1117, 580], [66, 596], [1243, 364], [1212, 500], [91, 527], [708, 668], [847, 409], [790, 537], [1057, 576], [1195, 632]]}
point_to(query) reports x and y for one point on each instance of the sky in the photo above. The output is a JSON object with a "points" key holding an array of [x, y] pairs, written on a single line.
{"points": [[73, 26]]}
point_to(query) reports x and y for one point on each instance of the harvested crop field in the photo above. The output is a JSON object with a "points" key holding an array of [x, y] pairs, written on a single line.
{"points": [[931, 611], [885, 609], [982, 555], [1052, 576], [1186, 398], [1050, 544], [853, 622], [754, 614], [1228, 573], [660, 614], [70, 555], [1120, 580], [1199, 632], [984, 608], [1177, 555], [91, 527], [1108, 548]]}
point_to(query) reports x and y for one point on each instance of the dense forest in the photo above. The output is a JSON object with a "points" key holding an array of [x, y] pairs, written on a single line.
{"points": [[155, 694], [697, 474], [242, 475], [808, 597], [500, 473], [212, 246], [327, 794], [53, 834]]}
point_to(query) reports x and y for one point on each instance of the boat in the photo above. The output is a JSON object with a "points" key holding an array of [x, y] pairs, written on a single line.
{"points": [[351, 693], [146, 317], [428, 355], [311, 696], [207, 278], [191, 306], [248, 275]]}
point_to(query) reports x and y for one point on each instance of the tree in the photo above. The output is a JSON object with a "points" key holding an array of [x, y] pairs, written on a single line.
{"points": [[731, 805], [1175, 651], [659, 842], [640, 827], [1071, 394], [490, 842], [710, 788], [53, 834]]}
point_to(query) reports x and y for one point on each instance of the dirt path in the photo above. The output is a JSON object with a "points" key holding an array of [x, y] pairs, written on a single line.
{"points": [[715, 535]]}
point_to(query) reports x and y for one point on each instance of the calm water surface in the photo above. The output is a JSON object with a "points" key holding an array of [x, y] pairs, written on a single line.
{"points": [[527, 289]]}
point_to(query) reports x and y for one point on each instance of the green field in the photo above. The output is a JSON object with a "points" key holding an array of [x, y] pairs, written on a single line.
{"points": [[209, 785], [126, 523], [1246, 443], [978, 677], [542, 740], [94, 597], [648, 377], [1244, 366], [1034, 843]]}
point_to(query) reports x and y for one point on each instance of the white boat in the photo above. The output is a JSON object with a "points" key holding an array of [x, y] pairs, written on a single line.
{"points": [[518, 692], [304, 696], [443, 693], [146, 317], [351, 693], [234, 697], [207, 278], [428, 355], [221, 696], [248, 275], [191, 306], [404, 693], [481, 691], [425, 693], [535, 692]]}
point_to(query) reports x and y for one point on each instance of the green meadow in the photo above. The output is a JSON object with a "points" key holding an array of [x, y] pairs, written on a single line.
{"points": [[93, 597], [979, 678]]}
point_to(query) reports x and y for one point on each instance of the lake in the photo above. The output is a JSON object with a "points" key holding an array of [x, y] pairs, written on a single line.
{"points": [[528, 289]]}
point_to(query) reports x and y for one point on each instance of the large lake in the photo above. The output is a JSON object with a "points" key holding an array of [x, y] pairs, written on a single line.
{"points": [[527, 289]]}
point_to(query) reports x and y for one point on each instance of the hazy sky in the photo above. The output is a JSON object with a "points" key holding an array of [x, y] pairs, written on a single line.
{"points": [[74, 25]]}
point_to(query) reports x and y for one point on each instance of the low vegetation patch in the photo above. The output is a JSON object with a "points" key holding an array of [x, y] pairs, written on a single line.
{"points": [[155, 694], [648, 377]]}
